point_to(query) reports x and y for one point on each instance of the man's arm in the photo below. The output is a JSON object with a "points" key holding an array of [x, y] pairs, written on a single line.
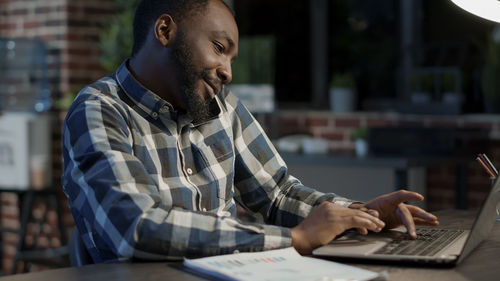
{"points": [[263, 185], [118, 205]]}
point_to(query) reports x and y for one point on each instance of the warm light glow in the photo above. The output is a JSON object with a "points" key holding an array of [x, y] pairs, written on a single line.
{"points": [[488, 9]]}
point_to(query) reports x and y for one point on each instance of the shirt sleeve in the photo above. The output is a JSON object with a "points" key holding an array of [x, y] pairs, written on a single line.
{"points": [[117, 205], [264, 186]]}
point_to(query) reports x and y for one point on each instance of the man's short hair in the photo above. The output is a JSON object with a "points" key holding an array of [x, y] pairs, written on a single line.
{"points": [[148, 11]]}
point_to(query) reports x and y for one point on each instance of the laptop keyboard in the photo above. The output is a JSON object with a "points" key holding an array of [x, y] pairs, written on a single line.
{"points": [[429, 241]]}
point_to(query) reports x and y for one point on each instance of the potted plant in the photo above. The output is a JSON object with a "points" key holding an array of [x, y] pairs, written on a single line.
{"points": [[421, 88], [449, 88], [360, 138], [342, 93]]}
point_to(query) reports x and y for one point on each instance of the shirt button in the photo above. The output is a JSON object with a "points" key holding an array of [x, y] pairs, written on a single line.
{"points": [[154, 114], [189, 171]]}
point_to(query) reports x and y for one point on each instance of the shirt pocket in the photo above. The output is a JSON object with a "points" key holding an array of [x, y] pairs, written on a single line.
{"points": [[220, 158], [222, 151]]}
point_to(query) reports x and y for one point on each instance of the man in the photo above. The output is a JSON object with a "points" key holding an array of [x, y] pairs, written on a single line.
{"points": [[157, 154]]}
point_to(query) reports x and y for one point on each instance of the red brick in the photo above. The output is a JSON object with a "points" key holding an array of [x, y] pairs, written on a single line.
{"points": [[7, 26], [19, 12], [8, 198], [10, 238], [47, 229], [347, 123], [316, 122], [9, 211], [52, 218], [29, 241], [42, 242], [55, 242], [32, 24], [9, 250], [44, 10], [332, 136], [412, 123]]}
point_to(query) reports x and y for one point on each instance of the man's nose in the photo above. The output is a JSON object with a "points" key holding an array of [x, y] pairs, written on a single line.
{"points": [[225, 74]]}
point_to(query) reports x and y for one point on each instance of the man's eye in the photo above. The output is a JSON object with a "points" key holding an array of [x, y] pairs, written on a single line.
{"points": [[219, 47]]}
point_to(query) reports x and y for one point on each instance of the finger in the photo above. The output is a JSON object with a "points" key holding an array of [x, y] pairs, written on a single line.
{"points": [[407, 220], [363, 209], [419, 221], [362, 230], [378, 222], [363, 222], [401, 196], [372, 212], [418, 212]]}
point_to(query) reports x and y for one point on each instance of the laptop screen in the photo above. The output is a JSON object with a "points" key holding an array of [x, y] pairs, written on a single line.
{"points": [[484, 221]]}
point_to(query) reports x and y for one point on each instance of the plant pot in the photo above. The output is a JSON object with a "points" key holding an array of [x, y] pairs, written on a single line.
{"points": [[342, 100], [361, 148]]}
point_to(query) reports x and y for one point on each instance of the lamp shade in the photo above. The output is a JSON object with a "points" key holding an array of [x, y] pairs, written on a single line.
{"points": [[488, 9]]}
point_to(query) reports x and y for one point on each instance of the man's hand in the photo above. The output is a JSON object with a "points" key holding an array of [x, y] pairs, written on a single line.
{"points": [[391, 209], [328, 220]]}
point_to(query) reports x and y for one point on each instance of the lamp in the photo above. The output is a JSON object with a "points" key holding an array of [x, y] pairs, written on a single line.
{"points": [[488, 9]]}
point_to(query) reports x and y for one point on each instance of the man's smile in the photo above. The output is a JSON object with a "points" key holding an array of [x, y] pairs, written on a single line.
{"points": [[214, 90]]}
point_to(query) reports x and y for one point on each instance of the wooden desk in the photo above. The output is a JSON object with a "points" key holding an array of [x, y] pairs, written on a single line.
{"points": [[482, 264]]}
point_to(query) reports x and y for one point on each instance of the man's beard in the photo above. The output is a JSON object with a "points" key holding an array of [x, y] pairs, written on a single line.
{"points": [[196, 107]]}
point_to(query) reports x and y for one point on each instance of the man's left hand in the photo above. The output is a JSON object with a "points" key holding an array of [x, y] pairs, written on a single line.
{"points": [[391, 209]]}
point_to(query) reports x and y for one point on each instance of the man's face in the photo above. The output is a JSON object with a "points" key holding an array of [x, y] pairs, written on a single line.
{"points": [[203, 52]]}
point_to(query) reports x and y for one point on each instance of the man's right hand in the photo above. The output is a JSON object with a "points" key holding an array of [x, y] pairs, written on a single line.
{"points": [[328, 220]]}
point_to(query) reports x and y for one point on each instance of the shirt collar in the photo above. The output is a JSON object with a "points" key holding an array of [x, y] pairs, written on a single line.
{"points": [[150, 102]]}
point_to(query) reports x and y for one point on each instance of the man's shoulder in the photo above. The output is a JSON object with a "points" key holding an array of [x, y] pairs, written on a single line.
{"points": [[106, 87], [104, 91]]}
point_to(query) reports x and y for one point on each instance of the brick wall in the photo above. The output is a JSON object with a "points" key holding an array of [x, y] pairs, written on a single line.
{"points": [[70, 29]]}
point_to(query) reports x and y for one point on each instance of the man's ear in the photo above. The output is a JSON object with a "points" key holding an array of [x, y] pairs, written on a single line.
{"points": [[165, 29]]}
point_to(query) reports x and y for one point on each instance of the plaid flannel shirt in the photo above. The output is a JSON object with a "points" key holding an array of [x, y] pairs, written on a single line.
{"points": [[143, 181]]}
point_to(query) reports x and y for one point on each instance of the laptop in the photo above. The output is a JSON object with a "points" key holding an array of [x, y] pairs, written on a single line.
{"points": [[434, 246]]}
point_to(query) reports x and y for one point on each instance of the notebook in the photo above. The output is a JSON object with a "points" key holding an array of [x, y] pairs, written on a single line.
{"points": [[282, 264], [450, 246]]}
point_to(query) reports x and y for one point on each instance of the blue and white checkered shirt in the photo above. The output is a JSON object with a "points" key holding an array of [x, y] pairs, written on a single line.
{"points": [[144, 182]]}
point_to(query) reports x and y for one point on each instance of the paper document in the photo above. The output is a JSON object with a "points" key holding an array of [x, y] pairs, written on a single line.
{"points": [[283, 264]]}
